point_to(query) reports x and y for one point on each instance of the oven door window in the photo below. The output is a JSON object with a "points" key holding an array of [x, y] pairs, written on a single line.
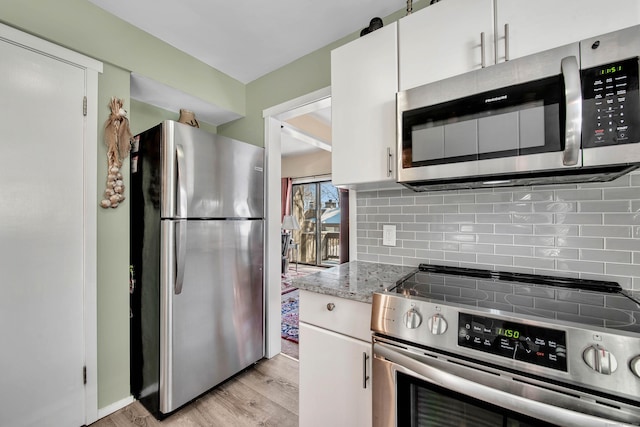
{"points": [[508, 122], [421, 404]]}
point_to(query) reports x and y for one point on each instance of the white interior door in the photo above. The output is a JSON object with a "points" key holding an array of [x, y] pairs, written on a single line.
{"points": [[42, 239]]}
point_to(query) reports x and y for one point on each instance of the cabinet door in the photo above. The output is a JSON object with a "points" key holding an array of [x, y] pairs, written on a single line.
{"points": [[539, 25], [332, 379], [443, 40], [364, 81]]}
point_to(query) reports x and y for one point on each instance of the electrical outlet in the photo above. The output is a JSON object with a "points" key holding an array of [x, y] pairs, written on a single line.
{"points": [[389, 235]]}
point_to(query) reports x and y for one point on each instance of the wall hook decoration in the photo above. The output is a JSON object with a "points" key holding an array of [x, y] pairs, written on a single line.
{"points": [[117, 137]]}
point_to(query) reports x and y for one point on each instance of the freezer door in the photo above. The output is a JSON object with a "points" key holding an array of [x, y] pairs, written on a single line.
{"points": [[210, 176], [212, 325]]}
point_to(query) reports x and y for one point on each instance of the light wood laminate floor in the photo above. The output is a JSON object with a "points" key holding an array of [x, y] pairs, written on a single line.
{"points": [[264, 395]]}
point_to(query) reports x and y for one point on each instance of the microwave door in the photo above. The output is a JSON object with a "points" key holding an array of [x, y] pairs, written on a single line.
{"points": [[519, 117]]}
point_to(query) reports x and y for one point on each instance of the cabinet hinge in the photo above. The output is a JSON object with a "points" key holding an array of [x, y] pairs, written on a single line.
{"points": [[84, 106], [84, 375]]}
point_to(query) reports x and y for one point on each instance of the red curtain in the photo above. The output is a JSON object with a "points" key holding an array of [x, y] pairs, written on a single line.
{"points": [[285, 192]]}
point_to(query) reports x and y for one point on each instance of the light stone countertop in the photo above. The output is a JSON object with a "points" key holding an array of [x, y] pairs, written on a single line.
{"points": [[355, 280]]}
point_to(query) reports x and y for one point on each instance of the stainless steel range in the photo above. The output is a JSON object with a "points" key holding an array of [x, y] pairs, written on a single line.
{"points": [[455, 346]]}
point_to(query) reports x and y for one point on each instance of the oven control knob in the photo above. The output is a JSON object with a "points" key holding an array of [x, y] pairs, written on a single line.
{"points": [[600, 359], [635, 366], [437, 324], [412, 319]]}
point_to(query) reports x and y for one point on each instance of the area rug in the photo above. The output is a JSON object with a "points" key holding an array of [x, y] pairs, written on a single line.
{"points": [[289, 324], [285, 286], [290, 302]]}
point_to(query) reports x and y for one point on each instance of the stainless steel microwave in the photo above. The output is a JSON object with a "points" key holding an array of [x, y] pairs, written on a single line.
{"points": [[570, 114]]}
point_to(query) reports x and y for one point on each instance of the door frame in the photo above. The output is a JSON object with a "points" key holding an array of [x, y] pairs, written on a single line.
{"points": [[273, 117], [90, 159]]}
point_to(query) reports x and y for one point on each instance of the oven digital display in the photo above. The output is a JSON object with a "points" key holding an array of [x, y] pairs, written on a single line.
{"points": [[527, 343]]}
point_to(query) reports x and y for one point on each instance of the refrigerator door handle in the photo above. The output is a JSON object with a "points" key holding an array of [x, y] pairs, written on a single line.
{"points": [[181, 225], [182, 183], [181, 252]]}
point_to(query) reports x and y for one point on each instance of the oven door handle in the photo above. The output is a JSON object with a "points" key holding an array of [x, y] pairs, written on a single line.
{"points": [[515, 403]]}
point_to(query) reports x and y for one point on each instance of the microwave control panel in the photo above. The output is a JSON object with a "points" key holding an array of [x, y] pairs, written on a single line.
{"points": [[610, 107]]}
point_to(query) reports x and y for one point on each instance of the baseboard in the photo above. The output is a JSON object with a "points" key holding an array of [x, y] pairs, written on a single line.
{"points": [[110, 409]]}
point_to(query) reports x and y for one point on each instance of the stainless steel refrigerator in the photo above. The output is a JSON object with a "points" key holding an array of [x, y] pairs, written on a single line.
{"points": [[197, 233]]}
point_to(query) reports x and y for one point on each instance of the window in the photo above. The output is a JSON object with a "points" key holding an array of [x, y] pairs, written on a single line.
{"points": [[316, 206]]}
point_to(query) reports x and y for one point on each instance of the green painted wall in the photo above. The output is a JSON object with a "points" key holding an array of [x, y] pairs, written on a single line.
{"points": [[113, 258]]}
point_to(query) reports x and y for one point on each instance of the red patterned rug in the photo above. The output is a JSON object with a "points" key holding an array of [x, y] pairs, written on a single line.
{"points": [[290, 302]]}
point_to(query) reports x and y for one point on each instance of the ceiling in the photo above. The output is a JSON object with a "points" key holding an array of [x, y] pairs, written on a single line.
{"points": [[245, 40]]}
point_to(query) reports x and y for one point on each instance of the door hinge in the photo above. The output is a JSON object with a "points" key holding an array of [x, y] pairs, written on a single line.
{"points": [[84, 106], [84, 375]]}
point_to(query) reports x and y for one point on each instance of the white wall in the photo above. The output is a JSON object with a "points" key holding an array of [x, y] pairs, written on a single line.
{"points": [[307, 165]]}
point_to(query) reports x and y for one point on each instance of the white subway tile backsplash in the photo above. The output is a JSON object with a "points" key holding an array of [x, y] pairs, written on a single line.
{"points": [[532, 218], [534, 240], [580, 242], [578, 195], [605, 256], [622, 244], [557, 230], [503, 239], [605, 231], [493, 218], [555, 207], [514, 250], [620, 193], [555, 253], [476, 228], [534, 263], [578, 218], [616, 219], [445, 227], [514, 229], [475, 208], [602, 206], [512, 207], [575, 230]]}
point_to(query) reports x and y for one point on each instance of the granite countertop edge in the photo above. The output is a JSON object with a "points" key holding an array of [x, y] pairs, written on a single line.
{"points": [[355, 280]]}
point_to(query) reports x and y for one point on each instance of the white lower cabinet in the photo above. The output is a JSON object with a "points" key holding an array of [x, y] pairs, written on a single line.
{"points": [[335, 369]]}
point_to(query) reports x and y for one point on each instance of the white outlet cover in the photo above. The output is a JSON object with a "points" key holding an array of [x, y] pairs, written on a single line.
{"points": [[388, 235]]}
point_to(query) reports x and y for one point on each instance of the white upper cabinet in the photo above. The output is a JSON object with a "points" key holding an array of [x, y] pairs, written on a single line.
{"points": [[444, 40], [364, 82], [534, 26]]}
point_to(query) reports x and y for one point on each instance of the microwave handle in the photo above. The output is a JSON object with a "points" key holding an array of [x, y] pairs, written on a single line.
{"points": [[573, 110]]}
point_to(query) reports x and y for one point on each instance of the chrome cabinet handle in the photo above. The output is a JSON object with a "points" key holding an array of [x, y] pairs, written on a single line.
{"points": [[389, 157], [331, 306], [482, 50], [365, 377], [573, 110], [506, 42]]}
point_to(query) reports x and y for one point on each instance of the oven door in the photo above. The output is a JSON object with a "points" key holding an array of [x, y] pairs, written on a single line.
{"points": [[516, 117], [414, 387]]}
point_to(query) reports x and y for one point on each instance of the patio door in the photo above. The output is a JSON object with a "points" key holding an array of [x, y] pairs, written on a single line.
{"points": [[317, 207]]}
